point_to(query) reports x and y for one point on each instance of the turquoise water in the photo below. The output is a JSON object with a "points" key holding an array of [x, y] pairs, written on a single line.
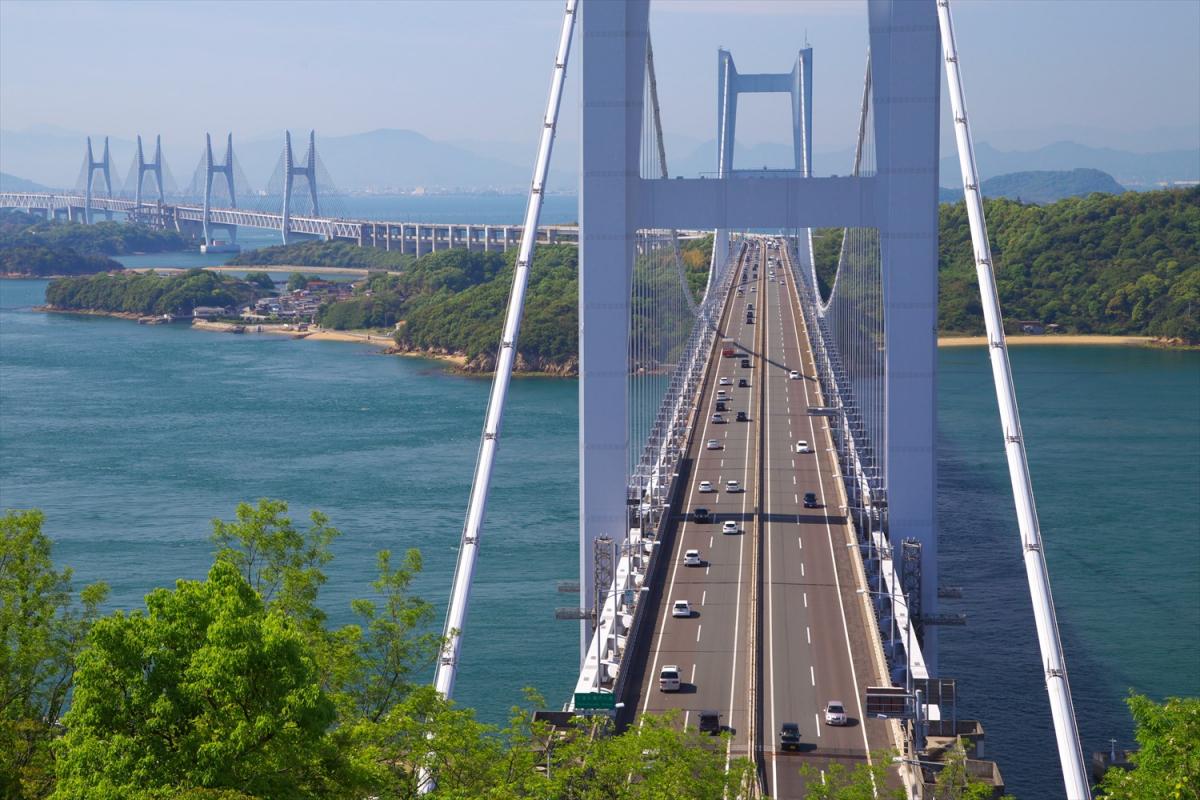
{"points": [[133, 438]]}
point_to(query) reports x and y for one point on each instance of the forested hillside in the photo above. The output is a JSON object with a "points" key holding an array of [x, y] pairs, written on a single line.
{"points": [[1112, 264], [147, 292], [324, 254], [30, 245]]}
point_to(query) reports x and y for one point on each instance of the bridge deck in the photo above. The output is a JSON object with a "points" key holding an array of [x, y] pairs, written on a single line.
{"points": [[785, 587]]}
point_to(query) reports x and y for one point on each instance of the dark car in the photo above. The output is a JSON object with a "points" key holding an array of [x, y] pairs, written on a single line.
{"points": [[789, 736], [709, 722], [749, 319], [810, 500], [746, 363], [721, 406], [701, 515], [741, 416], [743, 383]]}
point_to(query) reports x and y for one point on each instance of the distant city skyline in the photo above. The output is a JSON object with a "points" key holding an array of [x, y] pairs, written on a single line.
{"points": [[1119, 74]]}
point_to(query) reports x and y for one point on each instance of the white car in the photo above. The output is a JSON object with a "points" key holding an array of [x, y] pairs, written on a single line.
{"points": [[705, 487], [713, 444], [668, 678], [691, 558], [722, 395], [725, 382], [802, 447], [733, 487], [680, 608], [794, 375], [729, 527], [835, 713], [717, 419]]}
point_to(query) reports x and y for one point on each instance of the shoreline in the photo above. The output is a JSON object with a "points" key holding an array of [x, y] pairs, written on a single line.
{"points": [[1064, 339]]}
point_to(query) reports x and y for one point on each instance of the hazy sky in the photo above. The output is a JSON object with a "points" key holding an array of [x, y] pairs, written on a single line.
{"points": [[1122, 73]]}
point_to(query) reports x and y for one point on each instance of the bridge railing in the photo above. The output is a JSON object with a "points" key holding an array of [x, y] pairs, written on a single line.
{"points": [[860, 477], [624, 613]]}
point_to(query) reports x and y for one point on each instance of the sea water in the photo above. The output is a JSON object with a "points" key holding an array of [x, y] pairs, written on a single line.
{"points": [[132, 439]]}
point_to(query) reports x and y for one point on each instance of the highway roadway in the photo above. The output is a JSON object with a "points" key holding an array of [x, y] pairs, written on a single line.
{"points": [[777, 628]]}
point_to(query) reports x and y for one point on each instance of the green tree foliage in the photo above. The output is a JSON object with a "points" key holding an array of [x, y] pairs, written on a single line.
{"points": [[697, 256], [41, 633], [148, 292], [324, 254], [455, 302], [1117, 264], [296, 281], [1114, 264], [45, 260], [1167, 763], [207, 688], [863, 782], [99, 239], [262, 280]]}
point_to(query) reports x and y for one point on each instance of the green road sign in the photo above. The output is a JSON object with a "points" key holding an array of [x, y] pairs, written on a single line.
{"points": [[595, 700]]}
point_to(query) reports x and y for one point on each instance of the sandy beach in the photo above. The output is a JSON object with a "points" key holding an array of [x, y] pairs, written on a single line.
{"points": [[1054, 339]]}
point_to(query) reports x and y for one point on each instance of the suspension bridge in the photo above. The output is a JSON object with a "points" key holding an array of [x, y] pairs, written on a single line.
{"points": [[757, 511], [300, 200], [758, 526]]}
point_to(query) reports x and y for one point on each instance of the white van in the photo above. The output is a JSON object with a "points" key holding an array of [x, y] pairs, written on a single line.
{"points": [[668, 679]]}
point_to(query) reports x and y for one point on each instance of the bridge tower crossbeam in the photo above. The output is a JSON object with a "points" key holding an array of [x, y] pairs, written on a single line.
{"points": [[211, 168], [290, 170], [104, 165], [154, 166]]}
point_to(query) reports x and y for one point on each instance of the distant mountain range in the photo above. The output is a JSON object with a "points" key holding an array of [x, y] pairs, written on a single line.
{"points": [[390, 159], [11, 183], [1042, 186]]}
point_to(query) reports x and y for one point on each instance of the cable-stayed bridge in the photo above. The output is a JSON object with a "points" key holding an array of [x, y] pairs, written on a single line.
{"points": [[300, 199]]}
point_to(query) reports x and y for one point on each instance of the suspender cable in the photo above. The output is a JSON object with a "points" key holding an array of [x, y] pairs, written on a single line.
{"points": [[1075, 777], [460, 593]]}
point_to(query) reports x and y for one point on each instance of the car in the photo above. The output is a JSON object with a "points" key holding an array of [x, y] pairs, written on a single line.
{"points": [[746, 363], [712, 444], [750, 306], [835, 713], [708, 722], [691, 558], [741, 416], [743, 383], [789, 736], [720, 406], [668, 678], [680, 608], [754, 288], [794, 375], [810, 500], [749, 319], [802, 447], [722, 394], [726, 381], [701, 515], [717, 419], [705, 487], [730, 527], [733, 487]]}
